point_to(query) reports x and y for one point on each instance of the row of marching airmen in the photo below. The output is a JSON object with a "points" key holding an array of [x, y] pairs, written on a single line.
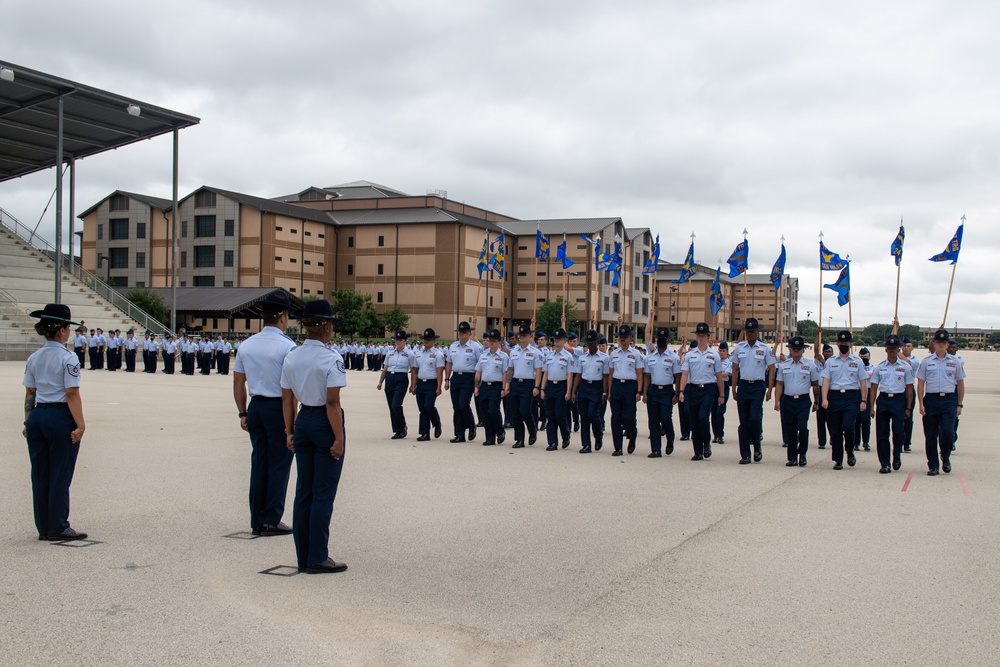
{"points": [[111, 351]]}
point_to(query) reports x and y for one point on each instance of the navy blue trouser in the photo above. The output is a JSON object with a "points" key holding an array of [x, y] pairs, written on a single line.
{"points": [[168, 363], [840, 418], [53, 460], [270, 461], [795, 424], [556, 412], [489, 395], [462, 387], [700, 400], [316, 485], [130, 361], [889, 416], [623, 411], [396, 384], [863, 427], [719, 414], [939, 427], [588, 400], [520, 407], [821, 426], [426, 395], [684, 417], [660, 411], [750, 406]]}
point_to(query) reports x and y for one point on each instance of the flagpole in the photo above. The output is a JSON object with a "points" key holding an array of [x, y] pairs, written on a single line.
{"points": [[819, 329], [850, 304], [534, 297], [621, 281], [948, 300], [596, 248], [780, 304], [565, 283], [746, 270], [899, 268]]}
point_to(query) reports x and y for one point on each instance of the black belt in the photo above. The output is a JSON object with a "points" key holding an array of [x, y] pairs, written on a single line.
{"points": [[887, 395], [750, 381], [396, 372], [942, 393], [702, 386], [844, 391], [463, 372], [490, 384], [557, 381], [524, 379], [663, 386], [311, 408], [623, 380], [593, 381], [265, 398], [797, 396], [428, 380], [50, 405]]}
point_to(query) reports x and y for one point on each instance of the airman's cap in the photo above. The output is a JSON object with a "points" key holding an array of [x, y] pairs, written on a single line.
{"points": [[464, 327], [941, 335], [663, 332], [751, 324], [892, 340], [844, 336], [524, 330], [559, 333], [702, 328], [591, 336], [625, 331], [797, 343]]}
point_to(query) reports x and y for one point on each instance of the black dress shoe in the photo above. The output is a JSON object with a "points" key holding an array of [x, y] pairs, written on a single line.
{"points": [[822, 446], [885, 470], [472, 434], [896, 463], [857, 448], [946, 466], [270, 531], [654, 455], [722, 440], [565, 443], [458, 438], [670, 448], [552, 448], [757, 455], [68, 534], [518, 445], [397, 436], [329, 566], [715, 439], [617, 452], [488, 444], [906, 448], [480, 425], [930, 473], [598, 444], [802, 461], [784, 444], [585, 450], [789, 464], [437, 431], [501, 436], [744, 462], [423, 438], [508, 425], [851, 461], [707, 451], [838, 466], [631, 446], [576, 426], [404, 432], [685, 437], [697, 457], [533, 438], [867, 448]]}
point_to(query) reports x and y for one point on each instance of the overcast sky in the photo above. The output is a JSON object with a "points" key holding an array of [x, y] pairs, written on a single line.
{"points": [[781, 116]]}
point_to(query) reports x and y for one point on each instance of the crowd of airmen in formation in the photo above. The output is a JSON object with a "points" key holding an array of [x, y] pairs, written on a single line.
{"points": [[111, 351], [531, 383]]}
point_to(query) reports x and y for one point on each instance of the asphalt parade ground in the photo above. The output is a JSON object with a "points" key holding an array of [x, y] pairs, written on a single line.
{"points": [[466, 555]]}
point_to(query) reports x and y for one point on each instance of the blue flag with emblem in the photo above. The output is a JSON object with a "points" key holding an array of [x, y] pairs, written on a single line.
{"points": [[738, 260], [687, 269], [654, 259], [484, 263], [616, 265], [717, 301], [497, 258], [602, 260], [954, 247], [561, 255], [829, 261], [541, 246], [897, 246], [778, 270], [843, 286]]}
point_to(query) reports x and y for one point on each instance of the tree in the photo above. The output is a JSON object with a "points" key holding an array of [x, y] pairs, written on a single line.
{"points": [[995, 339], [356, 309], [806, 329], [394, 319], [151, 303], [549, 316], [911, 331], [876, 333]]}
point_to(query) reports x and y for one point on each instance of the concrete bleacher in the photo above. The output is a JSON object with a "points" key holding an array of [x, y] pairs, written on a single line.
{"points": [[26, 284]]}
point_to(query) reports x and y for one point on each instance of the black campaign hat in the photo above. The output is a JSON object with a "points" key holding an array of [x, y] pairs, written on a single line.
{"points": [[496, 335], [559, 333], [751, 324], [844, 336], [663, 332], [317, 309], [276, 301], [892, 340], [524, 329], [54, 312], [464, 327], [401, 335], [797, 343], [939, 335], [591, 336], [625, 331], [702, 328], [429, 334]]}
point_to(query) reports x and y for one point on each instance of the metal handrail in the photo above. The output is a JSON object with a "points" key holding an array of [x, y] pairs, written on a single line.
{"points": [[91, 280], [7, 296]]}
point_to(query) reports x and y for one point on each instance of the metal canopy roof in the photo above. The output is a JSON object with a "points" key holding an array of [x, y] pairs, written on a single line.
{"points": [[94, 120], [223, 301]]}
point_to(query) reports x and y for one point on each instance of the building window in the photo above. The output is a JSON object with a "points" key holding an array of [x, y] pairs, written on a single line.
{"points": [[204, 256], [645, 257], [277, 229], [292, 290], [140, 230], [521, 300], [118, 229], [350, 269], [119, 281], [184, 283], [645, 283], [184, 229], [635, 307], [378, 297], [293, 260], [581, 301], [117, 258], [118, 202], [638, 259], [522, 273], [381, 241], [227, 258], [204, 226], [607, 303], [350, 241], [305, 291], [319, 263], [381, 269], [308, 233], [293, 230], [227, 283], [204, 281], [617, 305], [141, 283], [140, 260], [636, 281], [184, 259], [100, 232], [229, 227], [307, 262], [645, 306], [322, 236], [204, 199], [277, 259], [607, 277], [581, 247]]}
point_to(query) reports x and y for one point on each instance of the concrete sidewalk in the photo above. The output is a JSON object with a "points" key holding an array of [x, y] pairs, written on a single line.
{"points": [[466, 555]]}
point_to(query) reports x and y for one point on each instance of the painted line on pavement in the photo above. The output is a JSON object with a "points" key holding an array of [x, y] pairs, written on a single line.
{"points": [[906, 484], [965, 486]]}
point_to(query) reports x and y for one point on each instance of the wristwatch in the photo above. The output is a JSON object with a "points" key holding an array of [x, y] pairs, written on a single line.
{"points": [[242, 414]]}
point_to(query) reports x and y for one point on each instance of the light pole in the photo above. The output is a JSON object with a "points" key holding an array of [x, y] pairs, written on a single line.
{"points": [[670, 309]]}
